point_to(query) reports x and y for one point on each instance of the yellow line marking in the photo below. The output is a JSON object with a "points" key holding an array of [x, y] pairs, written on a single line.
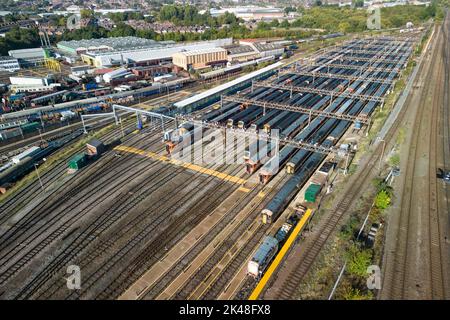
{"points": [[190, 166], [261, 194], [244, 189], [274, 265]]}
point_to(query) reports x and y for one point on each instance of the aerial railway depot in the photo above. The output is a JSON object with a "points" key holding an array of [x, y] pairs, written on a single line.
{"points": [[143, 224]]}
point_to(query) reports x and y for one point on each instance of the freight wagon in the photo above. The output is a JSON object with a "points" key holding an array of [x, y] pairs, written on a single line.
{"points": [[15, 172]]}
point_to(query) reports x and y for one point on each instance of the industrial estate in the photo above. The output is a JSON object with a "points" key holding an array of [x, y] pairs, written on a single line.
{"points": [[309, 165]]}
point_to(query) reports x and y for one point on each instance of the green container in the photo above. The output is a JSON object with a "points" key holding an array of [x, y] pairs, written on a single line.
{"points": [[30, 127], [311, 192], [78, 161]]}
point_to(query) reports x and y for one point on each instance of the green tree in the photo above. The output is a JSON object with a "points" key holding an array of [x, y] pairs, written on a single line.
{"points": [[382, 200], [86, 14], [285, 24], [356, 294], [358, 261], [122, 30]]}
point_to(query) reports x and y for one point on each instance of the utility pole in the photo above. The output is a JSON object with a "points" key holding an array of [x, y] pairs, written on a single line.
{"points": [[39, 177], [382, 154]]}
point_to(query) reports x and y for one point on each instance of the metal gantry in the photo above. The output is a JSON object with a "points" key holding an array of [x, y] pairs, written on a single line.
{"points": [[140, 111], [376, 53], [374, 59], [401, 47], [341, 77], [294, 108], [361, 69], [264, 136], [332, 93]]}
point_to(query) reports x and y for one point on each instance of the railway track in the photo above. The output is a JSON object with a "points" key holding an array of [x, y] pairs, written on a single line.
{"points": [[146, 229], [31, 234], [103, 246], [229, 253], [33, 190], [416, 269], [187, 259], [328, 226]]}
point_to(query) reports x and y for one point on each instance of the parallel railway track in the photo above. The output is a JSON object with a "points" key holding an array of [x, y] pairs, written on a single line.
{"points": [[163, 205], [290, 285], [418, 247]]}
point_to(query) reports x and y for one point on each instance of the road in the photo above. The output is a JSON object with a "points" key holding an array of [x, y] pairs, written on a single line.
{"points": [[416, 258]]}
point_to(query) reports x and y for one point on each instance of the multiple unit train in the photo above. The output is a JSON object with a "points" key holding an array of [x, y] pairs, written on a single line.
{"points": [[23, 163], [271, 245]]}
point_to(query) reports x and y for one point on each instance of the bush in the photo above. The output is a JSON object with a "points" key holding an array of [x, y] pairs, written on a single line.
{"points": [[383, 200], [356, 294], [358, 261]]}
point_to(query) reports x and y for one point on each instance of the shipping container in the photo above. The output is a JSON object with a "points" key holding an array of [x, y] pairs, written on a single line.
{"points": [[78, 161], [95, 147], [311, 192]]}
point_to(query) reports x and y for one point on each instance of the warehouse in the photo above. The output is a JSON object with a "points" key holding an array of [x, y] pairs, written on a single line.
{"points": [[28, 57], [77, 47], [251, 12], [241, 53], [265, 49], [198, 59], [150, 71], [156, 54]]}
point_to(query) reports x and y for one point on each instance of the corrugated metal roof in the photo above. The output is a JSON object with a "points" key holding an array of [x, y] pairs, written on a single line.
{"points": [[225, 86], [201, 51], [95, 143]]}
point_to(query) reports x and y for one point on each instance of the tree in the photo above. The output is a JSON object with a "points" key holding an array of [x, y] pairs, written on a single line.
{"points": [[382, 200], [274, 23], [122, 30], [358, 3], [358, 261], [86, 14], [285, 24], [356, 294]]}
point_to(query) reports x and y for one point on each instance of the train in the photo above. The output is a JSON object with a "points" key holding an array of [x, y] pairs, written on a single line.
{"points": [[120, 97], [11, 172], [234, 68], [271, 245], [20, 130]]}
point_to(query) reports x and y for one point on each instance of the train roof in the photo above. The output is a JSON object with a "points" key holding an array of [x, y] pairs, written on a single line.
{"points": [[267, 245]]}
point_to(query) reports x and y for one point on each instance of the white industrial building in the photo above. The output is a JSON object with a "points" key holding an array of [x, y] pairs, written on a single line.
{"points": [[32, 84], [251, 12], [265, 49], [28, 57], [155, 54], [9, 64]]}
